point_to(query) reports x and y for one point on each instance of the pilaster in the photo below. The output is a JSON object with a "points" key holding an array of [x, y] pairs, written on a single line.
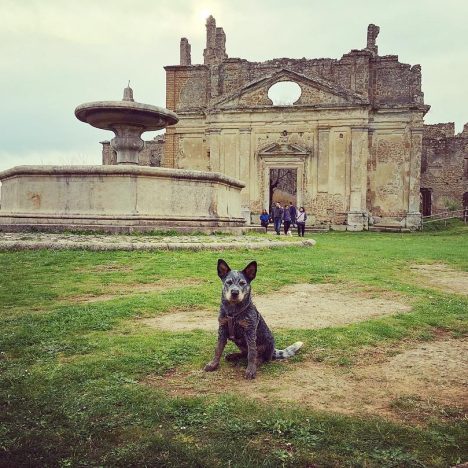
{"points": [[323, 158], [213, 135]]}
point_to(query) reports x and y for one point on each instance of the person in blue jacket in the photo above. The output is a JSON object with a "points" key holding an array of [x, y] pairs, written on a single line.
{"points": [[265, 219]]}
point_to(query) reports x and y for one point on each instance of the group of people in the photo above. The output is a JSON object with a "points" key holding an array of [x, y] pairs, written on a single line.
{"points": [[287, 216]]}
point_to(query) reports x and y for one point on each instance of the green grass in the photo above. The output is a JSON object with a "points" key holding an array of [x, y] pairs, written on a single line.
{"points": [[71, 372]]}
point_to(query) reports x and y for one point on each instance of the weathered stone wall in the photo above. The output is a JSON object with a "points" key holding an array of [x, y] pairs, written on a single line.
{"points": [[444, 165]]}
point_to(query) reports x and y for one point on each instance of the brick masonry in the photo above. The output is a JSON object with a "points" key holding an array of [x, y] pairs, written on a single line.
{"points": [[444, 166]]}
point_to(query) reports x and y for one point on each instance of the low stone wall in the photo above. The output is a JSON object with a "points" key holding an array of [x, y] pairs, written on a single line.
{"points": [[118, 198]]}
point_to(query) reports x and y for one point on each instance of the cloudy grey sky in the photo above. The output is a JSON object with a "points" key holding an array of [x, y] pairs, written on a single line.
{"points": [[56, 54]]}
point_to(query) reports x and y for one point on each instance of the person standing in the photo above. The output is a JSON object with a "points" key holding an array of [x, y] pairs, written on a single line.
{"points": [[301, 221], [277, 215], [264, 220], [293, 213], [286, 221]]}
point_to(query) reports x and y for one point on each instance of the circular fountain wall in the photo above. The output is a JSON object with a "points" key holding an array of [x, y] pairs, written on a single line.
{"points": [[118, 199]]}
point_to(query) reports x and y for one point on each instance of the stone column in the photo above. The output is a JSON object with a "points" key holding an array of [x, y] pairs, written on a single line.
{"points": [[185, 52], [244, 171], [413, 218], [357, 217]]}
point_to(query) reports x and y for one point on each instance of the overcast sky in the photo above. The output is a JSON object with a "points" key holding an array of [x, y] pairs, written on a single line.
{"points": [[57, 54]]}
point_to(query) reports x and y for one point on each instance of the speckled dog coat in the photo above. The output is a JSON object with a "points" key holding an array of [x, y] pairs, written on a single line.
{"points": [[240, 322]]}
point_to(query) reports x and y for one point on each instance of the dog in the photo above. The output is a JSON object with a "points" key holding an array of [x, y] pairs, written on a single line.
{"points": [[240, 322]]}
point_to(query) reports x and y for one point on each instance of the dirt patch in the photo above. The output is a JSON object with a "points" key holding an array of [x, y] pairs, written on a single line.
{"points": [[115, 291], [427, 380], [306, 306], [442, 277]]}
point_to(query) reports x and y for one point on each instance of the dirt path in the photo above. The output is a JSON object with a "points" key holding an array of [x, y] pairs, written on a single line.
{"points": [[115, 291], [427, 380], [442, 277], [296, 306], [93, 241]]}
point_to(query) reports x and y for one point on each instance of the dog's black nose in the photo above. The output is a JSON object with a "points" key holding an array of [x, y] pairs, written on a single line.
{"points": [[234, 292]]}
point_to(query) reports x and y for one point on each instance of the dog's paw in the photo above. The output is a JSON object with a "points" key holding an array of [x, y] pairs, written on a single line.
{"points": [[250, 373], [211, 366]]}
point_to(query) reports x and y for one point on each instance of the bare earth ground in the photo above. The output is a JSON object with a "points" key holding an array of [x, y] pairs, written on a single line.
{"points": [[427, 380], [114, 291], [442, 277], [295, 306], [406, 383]]}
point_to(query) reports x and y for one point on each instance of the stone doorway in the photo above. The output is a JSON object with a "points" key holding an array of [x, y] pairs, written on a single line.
{"points": [[426, 202], [282, 186]]}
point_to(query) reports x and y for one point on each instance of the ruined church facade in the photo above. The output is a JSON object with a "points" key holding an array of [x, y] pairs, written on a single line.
{"points": [[353, 138]]}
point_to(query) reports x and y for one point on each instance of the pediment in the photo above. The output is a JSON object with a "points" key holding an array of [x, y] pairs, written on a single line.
{"points": [[315, 92], [282, 148]]}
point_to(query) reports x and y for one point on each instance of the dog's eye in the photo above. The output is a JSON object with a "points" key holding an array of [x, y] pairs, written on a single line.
{"points": [[242, 283], [229, 282]]}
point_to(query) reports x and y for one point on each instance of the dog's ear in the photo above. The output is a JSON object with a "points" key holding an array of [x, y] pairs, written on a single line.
{"points": [[223, 268], [250, 271]]}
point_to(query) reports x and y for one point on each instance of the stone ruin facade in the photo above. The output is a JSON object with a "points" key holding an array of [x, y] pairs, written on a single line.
{"points": [[353, 140]]}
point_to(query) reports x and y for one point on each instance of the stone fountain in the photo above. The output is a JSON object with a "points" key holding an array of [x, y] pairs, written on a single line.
{"points": [[122, 198], [128, 120]]}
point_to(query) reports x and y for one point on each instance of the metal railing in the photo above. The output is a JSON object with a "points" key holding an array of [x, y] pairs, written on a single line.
{"points": [[444, 216]]}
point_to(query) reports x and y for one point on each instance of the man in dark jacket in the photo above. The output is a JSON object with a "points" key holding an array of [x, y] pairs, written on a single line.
{"points": [[277, 215], [293, 213]]}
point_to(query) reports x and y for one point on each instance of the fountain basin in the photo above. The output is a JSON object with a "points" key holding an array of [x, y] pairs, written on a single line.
{"points": [[107, 115], [118, 199]]}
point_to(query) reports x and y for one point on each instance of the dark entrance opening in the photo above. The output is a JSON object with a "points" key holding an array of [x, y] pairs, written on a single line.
{"points": [[283, 186], [465, 201], [426, 201]]}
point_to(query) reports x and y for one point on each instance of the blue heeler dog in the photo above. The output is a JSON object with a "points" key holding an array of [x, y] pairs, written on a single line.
{"points": [[240, 321]]}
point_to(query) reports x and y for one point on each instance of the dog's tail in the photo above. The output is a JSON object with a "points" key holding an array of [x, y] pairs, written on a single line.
{"points": [[288, 352]]}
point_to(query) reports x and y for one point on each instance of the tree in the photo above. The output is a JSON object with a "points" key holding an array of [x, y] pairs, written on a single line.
{"points": [[283, 179]]}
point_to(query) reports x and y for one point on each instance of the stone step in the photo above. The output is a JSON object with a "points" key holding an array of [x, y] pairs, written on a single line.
{"points": [[388, 228], [258, 228]]}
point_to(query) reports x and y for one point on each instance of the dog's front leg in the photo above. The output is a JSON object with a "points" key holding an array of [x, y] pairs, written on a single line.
{"points": [[251, 339], [222, 340]]}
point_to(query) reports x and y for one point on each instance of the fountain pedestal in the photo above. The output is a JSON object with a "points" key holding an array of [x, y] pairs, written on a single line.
{"points": [[127, 143]]}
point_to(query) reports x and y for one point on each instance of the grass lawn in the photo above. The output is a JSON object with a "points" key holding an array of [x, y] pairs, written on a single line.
{"points": [[74, 371]]}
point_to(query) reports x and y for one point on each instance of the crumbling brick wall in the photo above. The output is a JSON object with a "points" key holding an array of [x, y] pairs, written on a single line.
{"points": [[381, 79], [444, 165]]}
